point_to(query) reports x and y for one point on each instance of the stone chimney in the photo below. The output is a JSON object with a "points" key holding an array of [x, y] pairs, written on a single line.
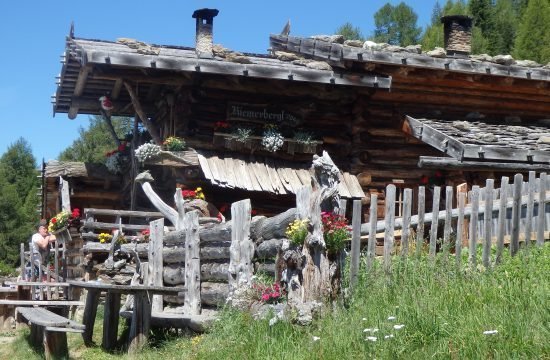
{"points": [[205, 24], [458, 35]]}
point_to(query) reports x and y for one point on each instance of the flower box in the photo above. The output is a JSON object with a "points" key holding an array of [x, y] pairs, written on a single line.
{"points": [[254, 143]]}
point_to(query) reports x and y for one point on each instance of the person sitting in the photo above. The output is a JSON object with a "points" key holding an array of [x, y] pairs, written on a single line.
{"points": [[40, 244]]}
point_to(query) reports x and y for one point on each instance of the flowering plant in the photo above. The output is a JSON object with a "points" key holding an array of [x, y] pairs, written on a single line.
{"points": [[221, 125], [146, 233], [147, 151], [268, 293], [437, 179], [335, 230], [192, 194], [120, 149], [303, 137], [105, 238], [297, 231], [242, 134], [64, 219], [174, 143], [117, 163], [272, 139]]}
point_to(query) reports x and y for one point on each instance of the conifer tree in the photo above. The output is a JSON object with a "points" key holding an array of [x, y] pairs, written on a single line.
{"points": [[350, 32], [533, 36], [396, 25]]}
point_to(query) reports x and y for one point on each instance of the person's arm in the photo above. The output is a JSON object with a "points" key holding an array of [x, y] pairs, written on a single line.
{"points": [[42, 242]]}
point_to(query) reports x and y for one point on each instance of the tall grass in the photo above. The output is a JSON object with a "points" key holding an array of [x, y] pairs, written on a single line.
{"points": [[445, 312]]}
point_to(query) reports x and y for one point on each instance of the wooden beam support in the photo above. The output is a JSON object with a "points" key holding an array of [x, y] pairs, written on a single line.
{"points": [[107, 119], [144, 119], [78, 90], [116, 89], [429, 162]]}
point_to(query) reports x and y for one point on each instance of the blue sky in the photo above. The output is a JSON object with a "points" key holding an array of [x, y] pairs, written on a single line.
{"points": [[33, 34]]}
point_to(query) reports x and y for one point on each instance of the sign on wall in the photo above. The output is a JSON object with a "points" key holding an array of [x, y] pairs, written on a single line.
{"points": [[262, 114]]}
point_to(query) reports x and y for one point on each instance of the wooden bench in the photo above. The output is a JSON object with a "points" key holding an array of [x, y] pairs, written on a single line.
{"points": [[49, 329]]}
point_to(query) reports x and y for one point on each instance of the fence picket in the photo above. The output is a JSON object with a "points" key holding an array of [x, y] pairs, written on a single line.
{"points": [[448, 218], [355, 243], [371, 246], [421, 213], [488, 217], [433, 229], [407, 202], [516, 213], [459, 226], [530, 205], [390, 221], [473, 225], [502, 210], [541, 210]]}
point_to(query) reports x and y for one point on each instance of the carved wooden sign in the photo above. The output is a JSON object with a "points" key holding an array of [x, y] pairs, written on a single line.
{"points": [[263, 114]]}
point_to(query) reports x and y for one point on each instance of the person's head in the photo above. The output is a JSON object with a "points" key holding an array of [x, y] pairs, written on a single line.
{"points": [[42, 230]]}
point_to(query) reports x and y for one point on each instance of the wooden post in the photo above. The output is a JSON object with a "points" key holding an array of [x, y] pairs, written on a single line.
{"points": [[241, 250], [355, 243], [488, 217], [151, 128], [516, 214], [501, 225], [463, 188], [459, 232], [421, 213], [530, 205], [435, 222], [541, 210], [448, 218], [90, 311], [155, 259], [22, 259], [389, 230], [65, 194], [55, 344], [371, 246], [473, 225], [192, 302], [110, 320], [56, 265], [407, 204], [141, 322]]}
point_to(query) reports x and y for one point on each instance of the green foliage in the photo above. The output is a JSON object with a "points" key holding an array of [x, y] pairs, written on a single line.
{"points": [[350, 32], [533, 36], [482, 11], [433, 36], [95, 141], [396, 25]]}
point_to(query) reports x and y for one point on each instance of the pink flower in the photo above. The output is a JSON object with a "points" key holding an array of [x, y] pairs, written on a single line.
{"points": [[265, 297]]}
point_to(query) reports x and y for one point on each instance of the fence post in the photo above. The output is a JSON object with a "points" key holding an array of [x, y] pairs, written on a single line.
{"points": [[22, 256], [531, 188], [407, 203], [516, 214], [390, 223], [371, 246], [473, 225], [192, 302], [502, 210], [155, 260], [421, 213], [488, 217], [435, 220], [459, 225], [355, 243], [448, 218], [542, 210], [241, 250]]}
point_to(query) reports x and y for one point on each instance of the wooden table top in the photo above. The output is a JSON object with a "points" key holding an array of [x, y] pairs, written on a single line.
{"points": [[127, 289]]}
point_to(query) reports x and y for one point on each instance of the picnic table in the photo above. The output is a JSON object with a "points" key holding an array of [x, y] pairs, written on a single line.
{"points": [[141, 315]]}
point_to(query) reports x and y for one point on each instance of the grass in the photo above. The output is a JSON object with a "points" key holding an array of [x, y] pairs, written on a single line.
{"points": [[444, 311]]}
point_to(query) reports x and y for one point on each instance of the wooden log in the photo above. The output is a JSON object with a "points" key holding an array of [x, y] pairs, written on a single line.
{"points": [[268, 249], [55, 344], [110, 321], [22, 261], [242, 249], [407, 206], [433, 228], [275, 227], [473, 226], [516, 214], [459, 233], [488, 218], [501, 226], [371, 247], [141, 321], [355, 243], [448, 163], [421, 214], [448, 218], [151, 128], [541, 210], [389, 231], [155, 260], [530, 205], [90, 311], [192, 303]]}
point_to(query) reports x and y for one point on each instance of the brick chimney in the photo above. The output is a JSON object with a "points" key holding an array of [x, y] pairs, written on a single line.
{"points": [[205, 24], [458, 35]]}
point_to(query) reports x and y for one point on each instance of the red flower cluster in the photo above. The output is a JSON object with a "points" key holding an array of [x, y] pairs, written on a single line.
{"points": [[145, 232], [269, 294], [335, 230], [437, 179], [221, 125], [75, 213], [188, 194], [121, 148]]}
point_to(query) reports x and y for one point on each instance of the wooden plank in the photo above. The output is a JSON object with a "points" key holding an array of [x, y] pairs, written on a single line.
{"points": [[501, 224], [473, 226], [205, 167], [505, 153], [433, 228], [155, 260], [232, 177], [274, 177], [242, 174], [249, 168], [242, 249], [192, 302], [530, 205], [304, 176], [141, 322], [22, 261], [389, 231], [463, 188], [448, 219], [488, 222], [65, 194], [430, 162], [421, 214], [295, 180], [407, 206], [541, 210], [342, 187], [460, 224], [110, 321], [516, 214], [355, 243], [283, 176], [90, 311], [371, 247]]}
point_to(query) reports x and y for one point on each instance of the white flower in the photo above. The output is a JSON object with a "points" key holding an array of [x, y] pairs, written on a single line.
{"points": [[147, 151], [116, 163], [272, 140], [391, 318], [371, 330], [371, 338], [364, 319], [316, 338], [490, 332], [388, 336], [273, 321], [399, 327]]}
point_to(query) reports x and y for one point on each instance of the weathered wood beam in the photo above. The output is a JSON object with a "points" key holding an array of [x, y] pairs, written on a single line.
{"points": [[144, 119], [107, 118], [115, 92], [429, 162], [78, 90]]}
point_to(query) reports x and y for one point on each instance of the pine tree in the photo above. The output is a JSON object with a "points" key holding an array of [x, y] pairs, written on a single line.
{"points": [[504, 25], [350, 32], [533, 36], [396, 25]]}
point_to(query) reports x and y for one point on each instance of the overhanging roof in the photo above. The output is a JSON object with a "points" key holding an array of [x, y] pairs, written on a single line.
{"points": [[482, 141]]}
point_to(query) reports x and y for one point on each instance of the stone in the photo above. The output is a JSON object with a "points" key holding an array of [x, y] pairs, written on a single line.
{"points": [[481, 57], [462, 125], [237, 58], [286, 56], [528, 63], [319, 65], [394, 48], [437, 53], [120, 264], [302, 62], [415, 49], [518, 129], [488, 137], [544, 140], [321, 37], [369, 45], [339, 39], [354, 43], [547, 66], [504, 60]]}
